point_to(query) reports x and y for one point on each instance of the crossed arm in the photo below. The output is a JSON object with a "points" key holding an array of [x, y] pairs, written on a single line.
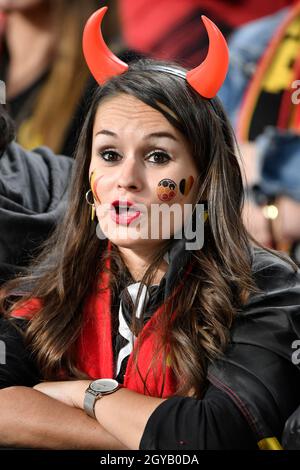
{"points": [[123, 414], [49, 416], [30, 419]]}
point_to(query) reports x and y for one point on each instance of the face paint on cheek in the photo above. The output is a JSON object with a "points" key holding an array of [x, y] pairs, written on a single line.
{"points": [[166, 190], [94, 180], [185, 185]]}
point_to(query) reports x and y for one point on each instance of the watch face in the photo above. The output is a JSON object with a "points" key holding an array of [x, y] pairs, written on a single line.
{"points": [[104, 385]]}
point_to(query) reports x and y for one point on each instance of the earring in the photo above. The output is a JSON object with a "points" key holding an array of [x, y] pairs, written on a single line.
{"points": [[90, 204]]}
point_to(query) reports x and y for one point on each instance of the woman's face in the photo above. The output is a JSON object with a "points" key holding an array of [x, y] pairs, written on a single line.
{"points": [[140, 158]]}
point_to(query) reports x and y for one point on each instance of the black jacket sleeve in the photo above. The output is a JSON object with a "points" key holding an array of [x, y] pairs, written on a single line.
{"points": [[258, 370], [185, 423], [17, 366], [255, 385]]}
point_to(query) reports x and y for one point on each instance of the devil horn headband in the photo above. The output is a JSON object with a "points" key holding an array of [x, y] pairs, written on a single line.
{"points": [[206, 79]]}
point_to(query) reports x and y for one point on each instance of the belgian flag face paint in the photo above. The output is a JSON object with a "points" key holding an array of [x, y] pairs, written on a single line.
{"points": [[166, 190], [94, 180], [185, 185]]}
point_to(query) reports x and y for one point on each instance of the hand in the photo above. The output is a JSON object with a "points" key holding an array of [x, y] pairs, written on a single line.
{"points": [[70, 392], [286, 227], [256, 223]]}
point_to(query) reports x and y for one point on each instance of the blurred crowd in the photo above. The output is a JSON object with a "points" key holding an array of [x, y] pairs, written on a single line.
{"points": [[48, 89]]}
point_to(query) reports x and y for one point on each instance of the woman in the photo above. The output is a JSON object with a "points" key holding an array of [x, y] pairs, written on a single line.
{"points": [[149, 312]]}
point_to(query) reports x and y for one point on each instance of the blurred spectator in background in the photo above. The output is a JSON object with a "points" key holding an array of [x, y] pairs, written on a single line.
{"points": [[42, 64], [261, 95], [171, 29], [48, 83], [33, 192]]}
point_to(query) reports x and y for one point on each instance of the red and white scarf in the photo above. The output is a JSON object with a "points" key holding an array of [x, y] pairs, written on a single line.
{"points": [[95, 344]]}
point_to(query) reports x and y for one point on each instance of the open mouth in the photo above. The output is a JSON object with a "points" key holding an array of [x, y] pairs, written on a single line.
{"points": [[123, 209], [124, 213]]}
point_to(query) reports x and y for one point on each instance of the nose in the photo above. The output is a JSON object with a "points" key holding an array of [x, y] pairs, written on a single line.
{"points": [[129, 176]]}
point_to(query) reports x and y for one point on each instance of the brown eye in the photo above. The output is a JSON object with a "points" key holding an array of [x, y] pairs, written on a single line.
{"points": [[158, 157], [108, 155]]}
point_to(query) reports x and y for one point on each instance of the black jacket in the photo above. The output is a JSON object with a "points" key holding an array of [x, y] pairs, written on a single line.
{"points": [[257, 373], [259, 370]]}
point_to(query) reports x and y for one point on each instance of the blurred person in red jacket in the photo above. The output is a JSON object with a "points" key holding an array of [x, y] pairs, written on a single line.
{"points": [[172, 26]]}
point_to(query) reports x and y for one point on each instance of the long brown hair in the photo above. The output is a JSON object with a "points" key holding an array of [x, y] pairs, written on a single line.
{"points": [[220, 282]]}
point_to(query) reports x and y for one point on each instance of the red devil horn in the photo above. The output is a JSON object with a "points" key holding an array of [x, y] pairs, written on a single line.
{"points": [[209, 76], [102, 63]]}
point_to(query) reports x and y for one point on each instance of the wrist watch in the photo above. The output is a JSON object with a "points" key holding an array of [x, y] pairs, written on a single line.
{"points": [[96, 390]]}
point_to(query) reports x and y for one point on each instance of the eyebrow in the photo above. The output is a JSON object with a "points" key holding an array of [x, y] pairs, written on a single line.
{"points": [[153, 135]]}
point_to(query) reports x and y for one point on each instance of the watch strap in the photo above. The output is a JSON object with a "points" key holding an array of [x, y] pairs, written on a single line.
{"points": [[90, 399]]}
